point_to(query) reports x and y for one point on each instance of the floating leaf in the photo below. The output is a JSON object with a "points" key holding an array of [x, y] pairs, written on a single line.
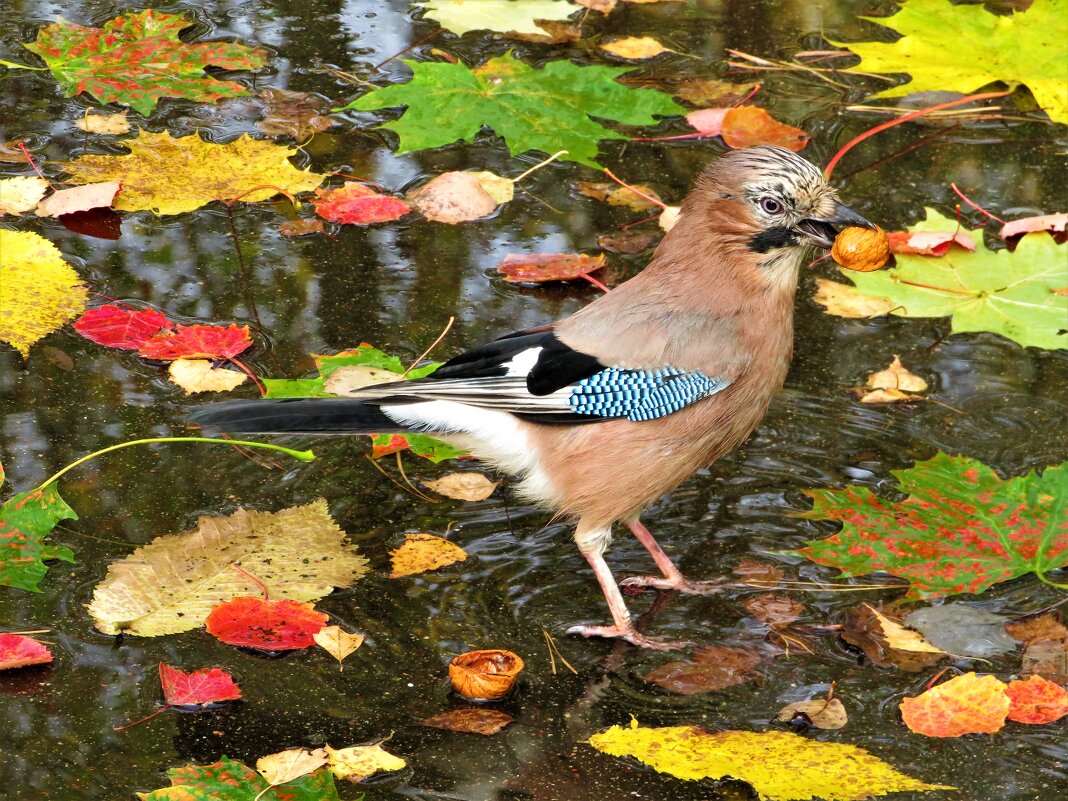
{"points": [[961, 529], [967, 704], [823, 713], [337, 642], [358, 204], [173, 583], [962, 48], [301, 227], [39, 292], [629, 242], [1045, 642], [864, 629], [902, 639], [963, 630], [264, 624], [895, 384], [359, 762], [932, 236], [454, 197], [204, 686], [507, 16], [843, 300], [25, 520], [1054, 223], [165, 174], [121, 327], [298, 115], [636, 197], [714, 667], [80, 198], [463, 486], [21, 194], [470, 720], [1036, 700], [18, 650], [745, 126], [634, 47], [198, 375], [830, 771], [136, 59], [197, 342], [285, 766], [228, 780], [547, 108], [422, 552], [540, 267], [107, 124]]}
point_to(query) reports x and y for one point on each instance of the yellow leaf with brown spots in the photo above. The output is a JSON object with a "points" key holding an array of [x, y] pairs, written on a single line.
{"points": [[358, 762], [422, 552]]}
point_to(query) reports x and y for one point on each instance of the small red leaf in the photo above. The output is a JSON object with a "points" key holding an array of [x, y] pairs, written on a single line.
{"points": [[17, 650], [1036, 700], [928, 243], [267, 625], [206, 686], [118, 327], [356, 203], [198, 342], [538, 267], [1054, 223], [708, 121]]}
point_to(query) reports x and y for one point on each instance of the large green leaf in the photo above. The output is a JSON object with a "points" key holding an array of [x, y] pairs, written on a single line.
{"points": [[25, 520], [229, 780], [964, 47], [137, 58], [518, 16], [1020, 294], [547, 109], [961, 528]]}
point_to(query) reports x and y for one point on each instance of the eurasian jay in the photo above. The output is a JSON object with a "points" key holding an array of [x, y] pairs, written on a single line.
{"points": [[599, 414]]}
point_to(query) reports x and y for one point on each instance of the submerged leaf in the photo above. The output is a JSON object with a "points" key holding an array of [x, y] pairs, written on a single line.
{"points": [[359, 762], [423, 552], [822, 713], [470, 720], [713, 668], [298, 115]]}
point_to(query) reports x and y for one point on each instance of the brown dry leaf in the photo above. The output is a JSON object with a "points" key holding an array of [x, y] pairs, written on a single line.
{"points": [[556, 32], [615, 195], [756, 573], [348, 378], [629, 242], [21, 194], [301, 227], [463, 486], [540, 267], [422, 552], [285, 766], [843, 300], [470, 720], [774, 611], [337, 642], [454, 197], [707, 92], [198, 375], [1045, 642], [713, 668], [863, 628], [358, 762], [745, 126], [80, 198], [299, 115], [895, 384], [822, 713], [11, 153], [635, 47], [110, 124]]}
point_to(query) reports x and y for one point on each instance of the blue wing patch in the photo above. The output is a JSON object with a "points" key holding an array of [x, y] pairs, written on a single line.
{"points": [[641, 394]]}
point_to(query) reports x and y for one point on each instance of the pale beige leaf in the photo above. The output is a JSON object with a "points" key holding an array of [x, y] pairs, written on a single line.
{"points": [[896, 376], [422, 552], [498, 187], [902, 638], [884, 396], [357, 762], [821, 713], [80, 198], [669, 216], [337, 642], [198, 375], [463, 486], [105, 123], [285, 766], [842, 300], [171, 584], [20, 194], [453, 197], [348, 378], [604, 6], [635, 47]]}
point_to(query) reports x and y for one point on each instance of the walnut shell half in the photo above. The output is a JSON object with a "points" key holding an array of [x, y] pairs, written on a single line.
{"points": [[861, 249], [484, 675]]}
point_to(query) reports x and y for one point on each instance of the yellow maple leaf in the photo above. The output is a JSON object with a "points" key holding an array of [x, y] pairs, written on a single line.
{"points": [[357, 762], [170, 175], [781, 766], [39, 291], [422, 552]]}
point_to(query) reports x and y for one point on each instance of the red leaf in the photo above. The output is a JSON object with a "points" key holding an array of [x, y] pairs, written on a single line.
{"points": [[198, 342], [207, 686], [1054, 223], [1036, 700], [356, 203], [394, 443], [708, 121], [267, 625], [118, 327], [928, 243], [538, 267], [17, 650]]}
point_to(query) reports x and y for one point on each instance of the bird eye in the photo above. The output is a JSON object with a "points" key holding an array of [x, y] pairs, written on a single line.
{"points": [[770, 205]]}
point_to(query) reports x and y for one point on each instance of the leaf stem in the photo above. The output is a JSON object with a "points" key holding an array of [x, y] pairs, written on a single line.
{"points": [[304, 456], [539, 165]]}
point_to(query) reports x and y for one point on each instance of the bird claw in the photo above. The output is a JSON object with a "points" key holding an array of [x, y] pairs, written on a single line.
{"points": [[631, 635], [679, 584]]}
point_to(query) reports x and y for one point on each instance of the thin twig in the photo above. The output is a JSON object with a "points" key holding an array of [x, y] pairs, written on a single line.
{"points": [[975, 205], [433, 345]]}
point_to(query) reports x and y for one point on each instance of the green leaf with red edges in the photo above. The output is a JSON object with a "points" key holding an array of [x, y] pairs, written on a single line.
{"points": [[25, 520], [420, 444], [136, 59], [229, 780], [961, 528]]}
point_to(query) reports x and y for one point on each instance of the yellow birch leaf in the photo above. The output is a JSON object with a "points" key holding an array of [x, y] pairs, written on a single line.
{"points": [[39, 292], [422, 552], [496, 186], [635, 47], [20, 194], [170, 175], [285, 766], [198, 375], [463, 486], [901, 638], [780, 766], [358, 762], [337, 642]]}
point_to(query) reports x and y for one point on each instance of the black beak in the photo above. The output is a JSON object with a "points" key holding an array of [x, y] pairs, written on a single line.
{"points": [[822, 231]]}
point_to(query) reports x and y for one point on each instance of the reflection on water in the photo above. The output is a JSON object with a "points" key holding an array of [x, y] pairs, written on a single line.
{"points": [[396, 286]]}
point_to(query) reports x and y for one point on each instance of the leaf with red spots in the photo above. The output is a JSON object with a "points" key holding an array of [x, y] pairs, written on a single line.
{"points": [[136, 59], [1036, 700], [197, 342], [25, 520], [18, 650], [229, 780], [266, 625], [539, 267], [359, 204], [117, 327], [206, 686], [968, 704], [961, 528]]}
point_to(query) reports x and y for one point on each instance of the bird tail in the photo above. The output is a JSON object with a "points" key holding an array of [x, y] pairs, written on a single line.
{"points": [[297, 416]]}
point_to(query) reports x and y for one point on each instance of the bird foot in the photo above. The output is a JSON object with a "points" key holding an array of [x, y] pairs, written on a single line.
{"points": [[631, 635], [678, 584]]}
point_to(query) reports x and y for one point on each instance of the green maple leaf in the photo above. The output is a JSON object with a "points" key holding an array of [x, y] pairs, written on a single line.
{"points": [[511, 16], [137, 58], [25, 520], [961, 529], [547, 109], [229, 780], [964, 47], [1020, 295]]}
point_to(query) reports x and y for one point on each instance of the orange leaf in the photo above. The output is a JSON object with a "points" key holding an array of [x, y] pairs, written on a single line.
{"points": [[968, 704], [745, 126], [1036, 700], [267, 625], [538, 267]]}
